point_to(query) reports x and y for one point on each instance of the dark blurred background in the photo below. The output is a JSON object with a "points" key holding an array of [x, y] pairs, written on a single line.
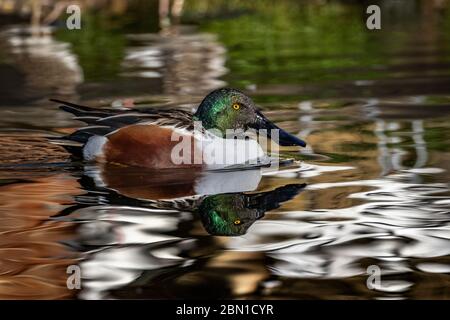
{"points": [[183, 47]]}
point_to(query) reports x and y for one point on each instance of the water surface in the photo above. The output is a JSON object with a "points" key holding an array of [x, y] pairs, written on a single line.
{"points": [[371, 188]]}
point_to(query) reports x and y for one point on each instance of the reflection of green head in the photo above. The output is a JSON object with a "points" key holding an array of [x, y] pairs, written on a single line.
{"points": [[226, 214], [233, 213]]}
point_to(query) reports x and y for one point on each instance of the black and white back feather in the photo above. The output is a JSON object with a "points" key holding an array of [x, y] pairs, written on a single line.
{"points": [[105, 121]]}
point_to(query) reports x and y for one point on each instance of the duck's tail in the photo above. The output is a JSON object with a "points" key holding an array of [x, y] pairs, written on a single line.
{"points": [[75, 142]]}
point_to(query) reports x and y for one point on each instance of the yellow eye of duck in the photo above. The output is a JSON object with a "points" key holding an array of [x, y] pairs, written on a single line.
{"points": [[236, 222], [236, 106]]}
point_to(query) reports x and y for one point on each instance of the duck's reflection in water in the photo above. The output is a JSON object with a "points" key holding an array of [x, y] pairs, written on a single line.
{"points": [[233, 213], [140, 228]]}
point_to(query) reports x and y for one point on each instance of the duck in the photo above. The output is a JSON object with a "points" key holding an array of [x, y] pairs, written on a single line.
{"points": [[173, 138]]}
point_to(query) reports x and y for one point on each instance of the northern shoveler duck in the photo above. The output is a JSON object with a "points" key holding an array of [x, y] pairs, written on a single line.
{"points": [[151, 137]]}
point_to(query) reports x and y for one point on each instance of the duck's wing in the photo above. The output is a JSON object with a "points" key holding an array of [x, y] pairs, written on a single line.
{"points": [[117, 118], [103, 121]]}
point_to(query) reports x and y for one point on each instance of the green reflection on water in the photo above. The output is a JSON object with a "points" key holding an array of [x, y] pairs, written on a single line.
{"points": [[292, 43], [101, 42], [100, 49], [437, 138]]}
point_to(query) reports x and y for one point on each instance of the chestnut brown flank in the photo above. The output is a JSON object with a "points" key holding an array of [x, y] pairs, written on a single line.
{"points": [[146, 146]]}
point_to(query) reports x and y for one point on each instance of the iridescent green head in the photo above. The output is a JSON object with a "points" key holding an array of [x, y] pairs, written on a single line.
{"points": [[225, 109], [228, 108]]}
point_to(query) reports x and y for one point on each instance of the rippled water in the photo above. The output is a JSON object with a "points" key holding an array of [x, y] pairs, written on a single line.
{"points": [[371, 188]]}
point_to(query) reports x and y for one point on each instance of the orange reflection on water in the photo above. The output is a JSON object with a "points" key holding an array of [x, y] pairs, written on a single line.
{"points": [[33, 259]]}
